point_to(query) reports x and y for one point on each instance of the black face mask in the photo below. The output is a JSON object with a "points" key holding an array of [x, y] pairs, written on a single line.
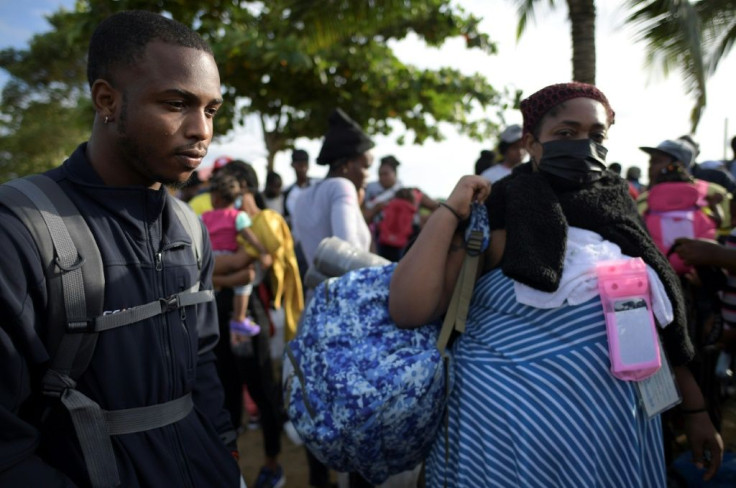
{"points": [[569, 165]]}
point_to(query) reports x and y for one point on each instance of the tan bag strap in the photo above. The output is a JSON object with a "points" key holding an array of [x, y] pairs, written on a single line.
{"points": [[455, 317], [457, 311]]}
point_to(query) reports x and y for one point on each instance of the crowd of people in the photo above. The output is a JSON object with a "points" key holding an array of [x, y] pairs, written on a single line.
{"points": [[537, 399]]}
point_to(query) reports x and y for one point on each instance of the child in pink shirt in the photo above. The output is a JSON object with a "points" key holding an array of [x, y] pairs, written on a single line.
{"points": [[224, 224]]}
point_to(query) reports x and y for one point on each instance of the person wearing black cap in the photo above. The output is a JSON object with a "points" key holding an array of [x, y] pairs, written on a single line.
{"points": [[331, 207], [512, 150]]}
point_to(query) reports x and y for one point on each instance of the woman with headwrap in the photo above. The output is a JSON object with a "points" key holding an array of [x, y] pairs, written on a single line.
{"points": [[534, 401]]}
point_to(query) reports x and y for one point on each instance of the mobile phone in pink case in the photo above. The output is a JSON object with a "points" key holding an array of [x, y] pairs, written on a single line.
{"points": [[632, 336]]}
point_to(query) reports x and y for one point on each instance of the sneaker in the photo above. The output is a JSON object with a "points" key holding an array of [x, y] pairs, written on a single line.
{"points": [[268, 478], [246, 327]]}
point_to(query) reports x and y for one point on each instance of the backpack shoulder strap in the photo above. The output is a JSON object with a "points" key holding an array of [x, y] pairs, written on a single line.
{"points": [[72, 265], [75, 280], [191, 223]]}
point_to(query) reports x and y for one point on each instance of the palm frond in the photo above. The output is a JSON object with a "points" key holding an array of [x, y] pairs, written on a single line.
{"points": [[526, 10], [718, 26], [671, 30]]}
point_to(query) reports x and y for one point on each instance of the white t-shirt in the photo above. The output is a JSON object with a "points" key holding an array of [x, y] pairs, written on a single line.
{"points": [[329, 208], [293, 192], [276, 204], [495, 173]]}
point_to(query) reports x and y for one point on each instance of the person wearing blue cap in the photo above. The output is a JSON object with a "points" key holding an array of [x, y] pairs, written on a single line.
{"points": [[682, 152], [668, 152]]}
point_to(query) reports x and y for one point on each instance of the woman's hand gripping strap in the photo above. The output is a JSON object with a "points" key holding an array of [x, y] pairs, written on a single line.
{"points": [[477, 238]]}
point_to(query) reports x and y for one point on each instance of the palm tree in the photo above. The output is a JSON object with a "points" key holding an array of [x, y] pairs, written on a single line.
{"points": [[694, 37], [678, 34], [582, 15]]}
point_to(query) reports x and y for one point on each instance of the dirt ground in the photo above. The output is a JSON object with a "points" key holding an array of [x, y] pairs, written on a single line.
{"points": [[294, 461]]}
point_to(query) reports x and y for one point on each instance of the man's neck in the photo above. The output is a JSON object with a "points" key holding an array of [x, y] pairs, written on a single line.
{"points": [[103, 161]]}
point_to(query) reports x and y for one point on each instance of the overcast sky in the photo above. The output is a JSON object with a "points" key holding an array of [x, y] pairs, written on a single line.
{"points": [[649, 107]]}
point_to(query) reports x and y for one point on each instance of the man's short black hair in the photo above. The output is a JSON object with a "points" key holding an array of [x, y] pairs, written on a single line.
{"points": [[121, 39], [272, 178]]}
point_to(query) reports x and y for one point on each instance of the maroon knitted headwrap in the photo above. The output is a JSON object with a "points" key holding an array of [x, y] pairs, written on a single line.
{"points": [[536, 105]]}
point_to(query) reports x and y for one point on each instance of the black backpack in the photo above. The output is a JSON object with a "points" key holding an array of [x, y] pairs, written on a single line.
{"points": [[76, 284]]}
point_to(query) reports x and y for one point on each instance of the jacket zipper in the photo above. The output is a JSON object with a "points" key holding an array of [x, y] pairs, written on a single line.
{"points": [[159, 258]]}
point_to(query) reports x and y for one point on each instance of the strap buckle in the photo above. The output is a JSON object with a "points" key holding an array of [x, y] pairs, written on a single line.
{"points": [[80, 326], [169, 304], [475, 241]]}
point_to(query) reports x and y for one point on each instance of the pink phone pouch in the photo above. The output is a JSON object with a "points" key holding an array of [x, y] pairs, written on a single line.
{"points": [[633, 344]]}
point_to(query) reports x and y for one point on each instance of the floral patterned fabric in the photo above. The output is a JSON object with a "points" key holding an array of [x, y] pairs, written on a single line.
{"points": [[377, 392], [364, 395]]}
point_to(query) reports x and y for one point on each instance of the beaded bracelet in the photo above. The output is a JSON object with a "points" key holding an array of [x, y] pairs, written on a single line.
{"points": [[454, 212]]}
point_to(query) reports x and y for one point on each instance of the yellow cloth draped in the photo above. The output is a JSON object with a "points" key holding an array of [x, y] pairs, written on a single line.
{"points": [[286, 285], [201, 203]]}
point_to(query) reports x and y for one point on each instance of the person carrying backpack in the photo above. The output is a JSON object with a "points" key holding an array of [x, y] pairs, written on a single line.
{"points": [[541, 396], [146, 408], [677, 206], [397, 225]]}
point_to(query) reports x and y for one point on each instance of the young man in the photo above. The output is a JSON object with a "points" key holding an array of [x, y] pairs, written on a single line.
{"points": [[155, 89], [300, 164]]}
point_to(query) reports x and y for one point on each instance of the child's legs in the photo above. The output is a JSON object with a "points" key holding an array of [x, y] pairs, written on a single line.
{"points": [[240, 301], [263, 386]]}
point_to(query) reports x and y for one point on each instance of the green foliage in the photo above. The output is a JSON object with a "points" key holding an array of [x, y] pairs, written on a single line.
{"points": [[289, 61], [689, 36], [45, 109]]}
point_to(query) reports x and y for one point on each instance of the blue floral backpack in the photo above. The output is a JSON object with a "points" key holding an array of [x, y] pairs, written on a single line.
{"points": [[364, 395]]}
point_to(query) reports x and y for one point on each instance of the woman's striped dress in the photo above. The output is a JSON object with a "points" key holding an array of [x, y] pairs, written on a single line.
{"points": [[535, 405]]}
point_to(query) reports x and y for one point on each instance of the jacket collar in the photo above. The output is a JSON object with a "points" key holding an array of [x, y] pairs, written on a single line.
{"points": [[133, 206]]}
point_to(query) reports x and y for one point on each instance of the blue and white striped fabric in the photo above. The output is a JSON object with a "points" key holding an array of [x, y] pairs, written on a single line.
{"points": [[534, 403]]}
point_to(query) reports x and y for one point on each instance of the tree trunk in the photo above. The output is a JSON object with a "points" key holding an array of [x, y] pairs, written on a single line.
{"points": [[582, 22], [274, 142]]}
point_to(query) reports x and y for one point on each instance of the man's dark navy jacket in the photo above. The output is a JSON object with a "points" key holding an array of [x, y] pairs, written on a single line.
{"points": [[147, 255]]}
